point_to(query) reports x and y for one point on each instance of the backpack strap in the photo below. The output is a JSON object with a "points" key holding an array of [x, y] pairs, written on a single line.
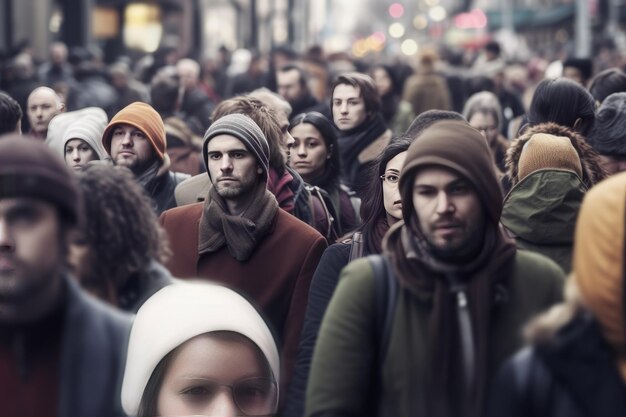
{"points": [[386, 287]]}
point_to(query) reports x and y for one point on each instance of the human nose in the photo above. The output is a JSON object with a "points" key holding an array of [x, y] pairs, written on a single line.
{"points": [[75, 155], [289, 140], [127, 140], [227, 164], [223, 405], [343, 108], [444, 203], [7, 244], [301, 150]]}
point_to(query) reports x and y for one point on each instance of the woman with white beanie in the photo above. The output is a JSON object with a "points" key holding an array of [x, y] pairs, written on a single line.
{"points": [[200, 349]]}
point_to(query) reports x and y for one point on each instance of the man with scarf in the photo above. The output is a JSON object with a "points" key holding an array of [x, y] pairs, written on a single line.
{"points": [[240, 237], [363, 134], [464, 293], [135, 138]]}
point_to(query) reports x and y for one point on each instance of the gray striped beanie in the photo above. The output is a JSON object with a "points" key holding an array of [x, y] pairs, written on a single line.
{"points": [[243, 128]]}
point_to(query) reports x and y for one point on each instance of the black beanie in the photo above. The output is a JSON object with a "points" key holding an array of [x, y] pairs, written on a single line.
{"points": [[29, 168]]}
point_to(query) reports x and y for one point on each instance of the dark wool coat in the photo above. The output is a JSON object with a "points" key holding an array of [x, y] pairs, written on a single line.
{"points": [[275, 279]]}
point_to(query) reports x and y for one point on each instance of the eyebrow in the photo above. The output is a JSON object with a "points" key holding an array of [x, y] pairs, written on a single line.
{"points": [[458, 181]]}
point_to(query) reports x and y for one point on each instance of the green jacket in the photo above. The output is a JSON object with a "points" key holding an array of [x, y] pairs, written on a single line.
{"points": [[344, 362], [541, 210]]}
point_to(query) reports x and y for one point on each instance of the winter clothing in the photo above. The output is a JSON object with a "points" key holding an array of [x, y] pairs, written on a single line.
{"points": [[540, 210], [89, 361], [427, 91], [29, 168], [183, 147], [340, 382], [576, 365], [592, 171], [468, 306], [243, 128], [279, 289], [143, 117], [160, 185], [357, 147], [202, 308], [90, 131], [92, 121]]}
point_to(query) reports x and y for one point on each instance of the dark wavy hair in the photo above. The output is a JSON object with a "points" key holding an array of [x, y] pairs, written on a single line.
{"points": [[120, 229], [323, 125], [563, 102], [10, 113], [372, 205]]}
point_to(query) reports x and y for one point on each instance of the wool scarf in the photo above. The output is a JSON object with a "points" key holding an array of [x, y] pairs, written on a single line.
{"points": [[239, 233], [352, 142], [428, 278]]}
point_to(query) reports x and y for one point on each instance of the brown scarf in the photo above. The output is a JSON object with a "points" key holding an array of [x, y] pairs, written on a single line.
{"points": [[240, 234], [429, 279]]}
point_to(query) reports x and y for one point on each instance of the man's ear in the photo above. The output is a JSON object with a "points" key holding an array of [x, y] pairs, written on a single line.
{"points": [[259, 169]]}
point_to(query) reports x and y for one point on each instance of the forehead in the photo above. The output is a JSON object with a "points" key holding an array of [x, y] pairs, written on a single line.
{"points": [[482, 117], [42, 96], [346, 91], [20, 203], [125, 127], [396, 162], [288, 76], [75, 142], [225, 143], [436, 176], [305, 129]]}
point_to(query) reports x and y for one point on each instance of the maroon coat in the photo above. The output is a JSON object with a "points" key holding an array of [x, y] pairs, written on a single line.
{"points": [[276, 278]]}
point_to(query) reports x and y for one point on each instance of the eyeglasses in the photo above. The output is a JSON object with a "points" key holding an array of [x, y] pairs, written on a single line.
{"points": [[390, 177], [253, 397]]}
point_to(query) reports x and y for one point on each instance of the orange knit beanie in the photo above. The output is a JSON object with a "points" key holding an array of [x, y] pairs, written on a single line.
{"points": [[548, 151], [143, 117]]}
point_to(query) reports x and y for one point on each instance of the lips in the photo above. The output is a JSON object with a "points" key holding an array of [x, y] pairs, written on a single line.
{"points": [[6, 265]]}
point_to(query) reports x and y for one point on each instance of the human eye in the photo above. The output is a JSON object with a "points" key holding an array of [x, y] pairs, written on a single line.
{"points": [[83, 148], [69, 149], [312, 144], [425, 191], [23, 216], [118, 132], [138, 134], [254, 389], [392, 178], [238, 155], [215, 156], [197, 393], [460, 188]]}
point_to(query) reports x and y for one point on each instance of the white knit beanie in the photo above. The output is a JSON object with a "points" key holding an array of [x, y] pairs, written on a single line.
{"points": [[180, 312], [90, 130]]}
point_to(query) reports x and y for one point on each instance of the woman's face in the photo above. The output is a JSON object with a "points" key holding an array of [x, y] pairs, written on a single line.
{"points": [[486, 124], [309, 152], [391, 192], [382, 80], [78, 153], [217, 375]]}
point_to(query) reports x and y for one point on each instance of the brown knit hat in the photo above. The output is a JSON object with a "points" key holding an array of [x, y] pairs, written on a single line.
{"points": [[143, 117], [29, 168], [548, 151]]}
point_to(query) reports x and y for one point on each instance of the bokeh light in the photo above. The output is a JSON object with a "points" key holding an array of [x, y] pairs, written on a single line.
{"points": [[409, 47], [396, 30], [396, 10]]}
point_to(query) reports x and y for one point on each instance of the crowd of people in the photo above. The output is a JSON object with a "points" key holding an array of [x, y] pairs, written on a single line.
{"points": [[303, 235]]}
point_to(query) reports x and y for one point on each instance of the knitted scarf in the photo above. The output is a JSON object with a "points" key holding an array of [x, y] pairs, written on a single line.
{"points": [[352, 142], [427, 277], [240, 234]]}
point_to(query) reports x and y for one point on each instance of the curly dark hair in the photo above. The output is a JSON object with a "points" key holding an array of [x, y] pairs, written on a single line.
{"points": [[120, 230]]}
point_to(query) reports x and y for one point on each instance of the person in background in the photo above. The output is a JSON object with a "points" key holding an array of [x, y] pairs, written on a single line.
{"points": [[579, 70], [135, 138], [315, 156], [551, 168], [43, 104], [119, 253], [427, 90], [607, 82], [10, 115], [575, 365], [292, 85], [355, 106], [397, 113], [608, 136], [222, 362], [82, 143], [482, 111], [194, 101]]}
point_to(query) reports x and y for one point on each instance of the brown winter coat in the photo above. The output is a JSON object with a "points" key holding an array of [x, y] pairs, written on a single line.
{"points": [[275, 278], [427, 91], [589, 158]]}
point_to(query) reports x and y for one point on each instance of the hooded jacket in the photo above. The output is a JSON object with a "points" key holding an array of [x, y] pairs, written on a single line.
{"points": [[540, 210], [453, 323], [576, 366]]}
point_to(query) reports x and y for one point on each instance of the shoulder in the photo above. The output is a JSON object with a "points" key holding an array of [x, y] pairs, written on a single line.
{"points": [[335, 256], [193, 189], [185, 213], [534, 264], [289, 224], [536, 279], [376, 147]]}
